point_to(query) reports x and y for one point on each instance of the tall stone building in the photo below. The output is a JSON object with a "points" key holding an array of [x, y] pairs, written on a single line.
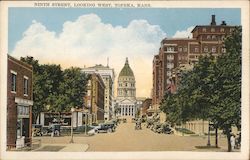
{"points": [[94, 99], [107, 74], [126, 93], [177, 54]]}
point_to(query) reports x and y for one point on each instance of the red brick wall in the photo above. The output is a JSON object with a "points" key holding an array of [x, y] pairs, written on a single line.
{"points": [[22, 70]]}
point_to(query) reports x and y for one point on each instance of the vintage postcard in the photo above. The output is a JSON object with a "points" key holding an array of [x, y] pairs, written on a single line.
{"points": [[124, 80]]}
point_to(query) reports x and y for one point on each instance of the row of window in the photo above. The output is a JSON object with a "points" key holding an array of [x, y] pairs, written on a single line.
{"points": [[14, 83], [222, 30], [214, 37], [127, 85], [126, 93]]}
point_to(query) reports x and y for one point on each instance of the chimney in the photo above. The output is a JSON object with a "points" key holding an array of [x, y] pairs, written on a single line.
{"points": [[223, 23], [213, 23]]}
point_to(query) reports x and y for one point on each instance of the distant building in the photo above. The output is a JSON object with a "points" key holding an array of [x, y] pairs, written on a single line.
{"points": [[107, 74], [19, 103], [94, 99], [126, 93], [146, 104], [176, 54]]}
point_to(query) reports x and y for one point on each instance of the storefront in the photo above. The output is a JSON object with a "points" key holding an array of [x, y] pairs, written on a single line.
{"points": [[23, 127]]}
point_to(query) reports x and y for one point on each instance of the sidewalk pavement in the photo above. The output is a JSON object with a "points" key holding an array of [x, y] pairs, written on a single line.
{"points": [[60, 147]]}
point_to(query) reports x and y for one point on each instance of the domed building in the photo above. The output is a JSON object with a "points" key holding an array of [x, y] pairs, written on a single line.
{"points": [[126, 93]]}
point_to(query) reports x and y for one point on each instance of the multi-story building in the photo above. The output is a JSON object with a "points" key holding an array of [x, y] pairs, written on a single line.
{"points": [[94, 99], [146, 104], [108, 76], [19, 103], [126, 93], [177, 54]]}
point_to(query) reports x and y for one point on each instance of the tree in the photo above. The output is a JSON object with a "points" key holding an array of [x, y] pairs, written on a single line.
{"points": [[37, 83], [212, 90], [72, 89], [226, 99]]}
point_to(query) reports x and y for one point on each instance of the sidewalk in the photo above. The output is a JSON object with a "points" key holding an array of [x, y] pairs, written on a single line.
{"points": [[70, 147]]}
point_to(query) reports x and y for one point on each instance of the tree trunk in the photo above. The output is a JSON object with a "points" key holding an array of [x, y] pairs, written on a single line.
{"points": [[216, 137], [228, 140]]}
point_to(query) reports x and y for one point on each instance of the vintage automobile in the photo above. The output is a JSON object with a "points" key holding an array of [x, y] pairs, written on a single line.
{"points": [[37, 130], [53, 130], [105, 127], [166, 129]]}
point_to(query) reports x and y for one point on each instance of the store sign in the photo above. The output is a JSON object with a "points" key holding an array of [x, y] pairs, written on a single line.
{"points": [[24, 102]]}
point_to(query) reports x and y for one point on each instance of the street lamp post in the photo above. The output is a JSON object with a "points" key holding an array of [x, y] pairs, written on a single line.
{"points": [[85, 123], [71, 140], [208, 140]]}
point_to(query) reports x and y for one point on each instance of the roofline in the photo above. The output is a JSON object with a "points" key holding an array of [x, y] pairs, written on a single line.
{"points": [[212, 26]]}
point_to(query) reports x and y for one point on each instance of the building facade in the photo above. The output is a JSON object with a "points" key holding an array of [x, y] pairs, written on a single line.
{"points": [[94, 99], [146, 104], [107, 74], [126, 93], [19, 103], [176, 54]]}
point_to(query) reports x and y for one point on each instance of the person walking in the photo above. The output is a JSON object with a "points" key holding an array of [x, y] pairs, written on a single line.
{"points": [[232, 141]]}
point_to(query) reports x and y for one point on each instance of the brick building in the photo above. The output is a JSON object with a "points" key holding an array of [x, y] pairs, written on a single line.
{"points": [[94, 100], [19, 103], [146, 104], [108, 76], [177, 54]]}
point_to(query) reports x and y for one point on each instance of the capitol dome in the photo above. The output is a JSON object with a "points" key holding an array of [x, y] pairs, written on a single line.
{"points": [[126, 70], [126, 82]]}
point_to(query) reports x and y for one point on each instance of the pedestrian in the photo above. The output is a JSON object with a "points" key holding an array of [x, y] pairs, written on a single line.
{"points": [[232, 141]]}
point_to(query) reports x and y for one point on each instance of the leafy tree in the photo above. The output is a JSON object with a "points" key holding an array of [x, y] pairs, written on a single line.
{"points": [[72, 89], [55, 90], [38, 89], [211, 91], [226, 110]]}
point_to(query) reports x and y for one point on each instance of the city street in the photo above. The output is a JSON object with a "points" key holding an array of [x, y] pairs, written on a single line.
{"points": [[126, 138]]}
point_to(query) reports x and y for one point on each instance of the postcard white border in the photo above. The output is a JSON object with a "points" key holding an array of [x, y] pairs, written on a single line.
{"points": [[244, 154]]}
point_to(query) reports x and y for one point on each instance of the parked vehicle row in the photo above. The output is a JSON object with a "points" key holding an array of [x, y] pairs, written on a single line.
{"points": [[157, 127]]}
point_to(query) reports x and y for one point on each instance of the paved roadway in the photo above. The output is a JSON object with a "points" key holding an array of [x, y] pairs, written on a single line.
{"points": [[126, 138]]}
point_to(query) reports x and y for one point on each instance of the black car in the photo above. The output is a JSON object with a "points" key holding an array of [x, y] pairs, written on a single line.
{"points": [[105, 127]]}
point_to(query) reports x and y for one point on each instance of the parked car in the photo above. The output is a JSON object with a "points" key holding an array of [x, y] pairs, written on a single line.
{"points": [[157, 128], [166, 128], [105, 127], [37, 130], [54, 129]]}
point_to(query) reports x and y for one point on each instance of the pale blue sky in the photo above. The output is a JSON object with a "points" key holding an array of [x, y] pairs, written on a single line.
{"points": [[170, 20]]}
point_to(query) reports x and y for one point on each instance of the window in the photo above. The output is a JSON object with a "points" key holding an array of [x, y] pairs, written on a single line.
{"points": [[212, 29], [196, 49], [170, 49], [213, 49], [208, 37], [185, 49], [213, 36], [168, 73], [25, 85], [231, 29], [13, 81], [205, 49], [222, 30], [180, 49], [22, 111], [204, 30]]}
